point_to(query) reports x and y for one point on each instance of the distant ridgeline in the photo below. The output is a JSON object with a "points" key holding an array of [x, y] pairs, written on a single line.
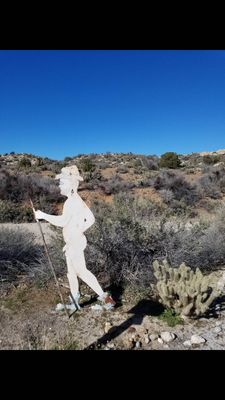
{"points": [[179, 183]]}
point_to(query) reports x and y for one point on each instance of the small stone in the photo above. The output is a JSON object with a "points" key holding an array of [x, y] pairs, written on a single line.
{"points": [[138, 344], [110, 345], [135, 337], [187, 343], [218, 323], [97, 307], [107, 327], [59, 307], [167, 336], [153, 336], [217, 329], [196, 339], [160, 340], [146, 339], [130, 345]]}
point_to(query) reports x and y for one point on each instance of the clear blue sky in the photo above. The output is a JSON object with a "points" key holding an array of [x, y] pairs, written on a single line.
{"points": [[61, 103]]}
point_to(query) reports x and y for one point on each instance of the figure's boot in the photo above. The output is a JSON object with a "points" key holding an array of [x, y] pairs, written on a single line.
{"points": [[107, 301], [74, 299], [73, 306]]}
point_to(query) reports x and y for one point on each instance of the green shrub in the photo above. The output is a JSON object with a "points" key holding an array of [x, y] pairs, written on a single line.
{"points": [[169, 160], [87, 165], [67, 159], [207, 159], [170, 317], [24, 163], [40, 162]]}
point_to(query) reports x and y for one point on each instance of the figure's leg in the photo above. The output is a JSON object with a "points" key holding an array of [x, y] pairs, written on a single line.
{"points": [[74, 288], [73, 281], [91, 281], [79, 265]]}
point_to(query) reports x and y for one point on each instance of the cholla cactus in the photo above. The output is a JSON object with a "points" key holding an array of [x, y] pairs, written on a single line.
{"points": [[186, 291]]}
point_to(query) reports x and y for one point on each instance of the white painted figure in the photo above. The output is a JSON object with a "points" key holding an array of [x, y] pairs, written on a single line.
{"points": [[75, 220]]}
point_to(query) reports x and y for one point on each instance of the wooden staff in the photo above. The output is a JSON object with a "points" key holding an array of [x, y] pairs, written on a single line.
{"points": [[50, 261]]}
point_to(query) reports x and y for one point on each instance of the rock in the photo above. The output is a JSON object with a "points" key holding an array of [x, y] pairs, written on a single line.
{"points": [[153, 336], [218, 323], [107, 327], [196, 339], [97, 307], [59, 307], [217, 329], [167, 336], [88, 296], [138, 344], [160, 340], [187, 343], [185, 318], [146, 338], [188, 226], [110, 345], [130, 345]]}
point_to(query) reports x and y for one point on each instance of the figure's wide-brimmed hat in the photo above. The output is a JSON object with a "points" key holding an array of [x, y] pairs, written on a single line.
{"points": [[70, 172]]}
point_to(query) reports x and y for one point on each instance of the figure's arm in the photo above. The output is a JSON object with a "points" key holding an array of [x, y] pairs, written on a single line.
{"points": [[57, 220]]}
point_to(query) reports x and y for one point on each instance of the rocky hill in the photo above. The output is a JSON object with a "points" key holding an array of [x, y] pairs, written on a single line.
{"points": [[192, 181], [109, 159]]}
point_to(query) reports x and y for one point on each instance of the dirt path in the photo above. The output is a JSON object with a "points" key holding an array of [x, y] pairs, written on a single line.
{"points": [[32, 228]]}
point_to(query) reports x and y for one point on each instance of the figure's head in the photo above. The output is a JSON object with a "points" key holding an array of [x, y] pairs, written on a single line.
{"points": [[69, 180]]}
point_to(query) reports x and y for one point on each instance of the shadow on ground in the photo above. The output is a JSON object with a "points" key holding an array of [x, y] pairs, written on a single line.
{"points": [[143, 308], [212, 311]]}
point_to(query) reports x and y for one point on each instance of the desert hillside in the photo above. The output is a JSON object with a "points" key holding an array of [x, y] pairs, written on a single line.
{"points": [[192, 183]]}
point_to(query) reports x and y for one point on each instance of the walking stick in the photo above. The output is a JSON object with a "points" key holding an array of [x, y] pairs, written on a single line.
{"points": [[50, 262]]}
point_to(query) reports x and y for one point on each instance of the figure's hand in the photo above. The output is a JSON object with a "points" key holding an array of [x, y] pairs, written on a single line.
{"points": [[39, 214]]}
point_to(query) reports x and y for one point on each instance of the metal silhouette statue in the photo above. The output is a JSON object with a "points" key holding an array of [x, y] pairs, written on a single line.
{"points": [[75, 220]]}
